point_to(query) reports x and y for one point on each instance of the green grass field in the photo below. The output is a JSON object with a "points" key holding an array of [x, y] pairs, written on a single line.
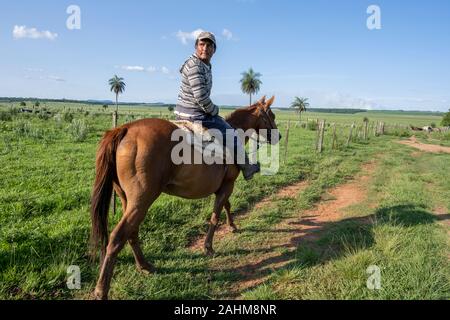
{"points": [[48, 171], [404, 239]]}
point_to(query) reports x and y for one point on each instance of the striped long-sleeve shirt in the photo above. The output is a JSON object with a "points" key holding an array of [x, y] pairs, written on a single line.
{"points": [[196, 84]]}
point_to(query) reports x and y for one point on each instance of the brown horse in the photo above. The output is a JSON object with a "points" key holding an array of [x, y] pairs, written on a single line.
{"points": [[135, 160]]}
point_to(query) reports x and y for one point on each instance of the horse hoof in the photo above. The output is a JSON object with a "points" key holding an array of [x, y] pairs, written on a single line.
{"points": [[209, 252], [146, 268], [99, 295]]}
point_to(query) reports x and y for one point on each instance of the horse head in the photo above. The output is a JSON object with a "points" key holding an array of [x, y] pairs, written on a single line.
{"points": [[265, 120], [258, 117]]}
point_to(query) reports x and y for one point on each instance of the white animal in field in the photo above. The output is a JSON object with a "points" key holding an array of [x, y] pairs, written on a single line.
{"points": [[427, 129]]}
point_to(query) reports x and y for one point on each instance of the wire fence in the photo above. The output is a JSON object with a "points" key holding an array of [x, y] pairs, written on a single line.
{"points": [[329, 135]]}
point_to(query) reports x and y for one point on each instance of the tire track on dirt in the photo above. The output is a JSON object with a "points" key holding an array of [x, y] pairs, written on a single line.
{"points": [[305, 228], [286, 192], [433, 148]]}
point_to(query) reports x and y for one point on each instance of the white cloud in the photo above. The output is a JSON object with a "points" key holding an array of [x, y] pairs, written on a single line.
{"points": [[227, 34], [133, 68], [324, 99], [22, 32], [343, 100], [165, 70], [45, 77], [331, 99], [150, 69], [185, 37], [34, 69], [56, 78]]}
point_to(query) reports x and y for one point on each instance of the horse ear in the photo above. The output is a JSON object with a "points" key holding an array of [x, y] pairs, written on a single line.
{"points": [[270, 102], [262, 101]]}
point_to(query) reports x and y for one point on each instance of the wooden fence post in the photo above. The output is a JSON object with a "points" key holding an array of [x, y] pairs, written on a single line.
{"points": [[114, 119], [321, 134], [350, 135], [333, 144], [365, 130], [286, 141], [317, 132]]}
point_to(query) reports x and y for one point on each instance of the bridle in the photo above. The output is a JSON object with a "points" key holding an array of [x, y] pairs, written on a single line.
{"points": [[270, 124]]}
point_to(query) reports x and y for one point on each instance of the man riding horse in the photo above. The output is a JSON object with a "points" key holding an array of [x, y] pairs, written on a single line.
{"points": [[136, 161], [194, 103]]}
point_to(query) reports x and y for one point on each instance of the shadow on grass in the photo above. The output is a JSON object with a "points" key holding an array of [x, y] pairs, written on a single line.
{"points": [[40, 255], [316, 244], [320, 243]]}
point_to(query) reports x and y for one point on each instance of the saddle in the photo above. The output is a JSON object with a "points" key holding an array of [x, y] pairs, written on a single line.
{"points": [[200, 139]]}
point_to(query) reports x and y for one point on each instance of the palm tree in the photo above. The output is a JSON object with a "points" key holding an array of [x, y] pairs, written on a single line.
{"points": [[250, 82], [300, 105], [117, 86]]}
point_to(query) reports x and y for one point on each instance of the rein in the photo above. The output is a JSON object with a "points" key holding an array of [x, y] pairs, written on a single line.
{"points": [[268, 122]]}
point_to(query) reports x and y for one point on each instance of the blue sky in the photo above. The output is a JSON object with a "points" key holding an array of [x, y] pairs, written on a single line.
{"points": [[319, 49]]}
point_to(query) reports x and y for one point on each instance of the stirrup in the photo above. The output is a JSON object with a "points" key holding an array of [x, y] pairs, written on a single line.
{"points": [[249, 170]]}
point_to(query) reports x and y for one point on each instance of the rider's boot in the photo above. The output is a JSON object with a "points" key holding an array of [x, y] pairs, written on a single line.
{"points": [[248, 169]]}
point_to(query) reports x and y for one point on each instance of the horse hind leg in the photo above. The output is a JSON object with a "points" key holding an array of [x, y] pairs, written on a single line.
{"points": [[126, 229], [122, 196], [141, 264]]}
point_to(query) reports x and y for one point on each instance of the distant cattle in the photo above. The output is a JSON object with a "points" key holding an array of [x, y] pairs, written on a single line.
{"points": [[427, 129], [416, 128], [23, 110]]}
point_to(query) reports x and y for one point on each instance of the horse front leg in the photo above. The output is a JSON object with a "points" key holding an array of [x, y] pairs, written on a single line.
{"points": [[230, 220], [209, 251], [141, 264], [221, 198]]}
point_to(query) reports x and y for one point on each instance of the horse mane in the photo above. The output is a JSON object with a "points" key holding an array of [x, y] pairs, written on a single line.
{"points": [[238, 117]]}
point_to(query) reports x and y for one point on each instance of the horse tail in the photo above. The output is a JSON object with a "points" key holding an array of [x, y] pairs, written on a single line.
{"points": [[106, 174]]}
